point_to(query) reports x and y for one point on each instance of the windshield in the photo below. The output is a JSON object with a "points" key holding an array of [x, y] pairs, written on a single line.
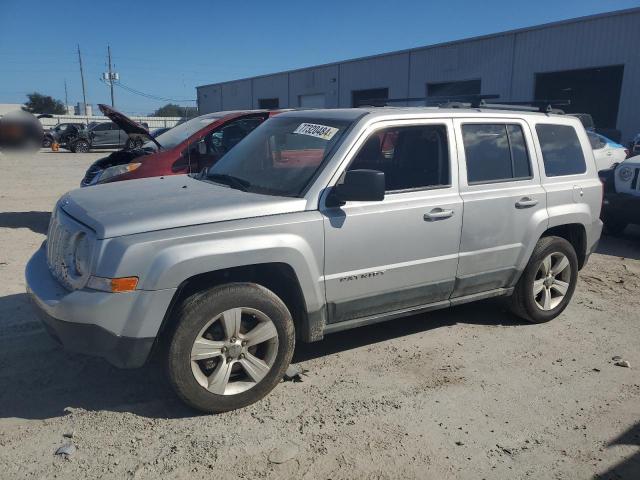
{"points": [[281, 156], [180, 133]]}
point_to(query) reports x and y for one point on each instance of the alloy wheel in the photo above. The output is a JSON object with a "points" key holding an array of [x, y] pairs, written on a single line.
{"points": [[552, 281], [234, 351]]}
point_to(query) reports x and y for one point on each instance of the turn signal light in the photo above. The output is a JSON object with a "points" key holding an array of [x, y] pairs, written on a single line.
{"points": [[113, 285]]}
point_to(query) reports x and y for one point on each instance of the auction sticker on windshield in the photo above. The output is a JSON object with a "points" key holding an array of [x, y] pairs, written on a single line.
{"points": [[313, 130]]}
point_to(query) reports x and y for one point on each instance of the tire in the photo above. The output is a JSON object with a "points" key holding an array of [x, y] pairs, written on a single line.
{"points": [[208, 318], [549, 302], [615, 226], [46, 142], [133, 143], [80, 146]]}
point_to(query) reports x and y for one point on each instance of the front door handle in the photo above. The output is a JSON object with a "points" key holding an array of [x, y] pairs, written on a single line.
{"points": [[526, 202], [438, 214]]}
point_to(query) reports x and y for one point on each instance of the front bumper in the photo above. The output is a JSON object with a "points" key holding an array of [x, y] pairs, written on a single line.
{"points": [[120, 327], [622, 207]]}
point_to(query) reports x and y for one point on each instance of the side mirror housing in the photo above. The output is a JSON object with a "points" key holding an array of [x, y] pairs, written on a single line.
{"points": [[360, 186]]}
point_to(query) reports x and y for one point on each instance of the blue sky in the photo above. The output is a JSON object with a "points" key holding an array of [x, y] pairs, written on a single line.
{"points": [[166, 48]]}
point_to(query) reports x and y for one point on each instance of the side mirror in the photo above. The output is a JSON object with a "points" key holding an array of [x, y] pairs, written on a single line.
{"points": [[360, 186], [202, 148]]}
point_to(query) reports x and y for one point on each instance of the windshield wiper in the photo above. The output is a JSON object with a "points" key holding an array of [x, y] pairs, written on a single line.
{"points": [[229, 180]]}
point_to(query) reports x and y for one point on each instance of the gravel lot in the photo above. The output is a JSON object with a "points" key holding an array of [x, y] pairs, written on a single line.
{"points": [[466, 393]]}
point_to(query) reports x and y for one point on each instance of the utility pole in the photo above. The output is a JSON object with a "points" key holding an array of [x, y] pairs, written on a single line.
{"points": [[111, 76], [84, 94], [66, 98]]}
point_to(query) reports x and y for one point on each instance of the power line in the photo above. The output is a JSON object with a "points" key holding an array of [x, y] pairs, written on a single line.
{"points": [[152, 97]]}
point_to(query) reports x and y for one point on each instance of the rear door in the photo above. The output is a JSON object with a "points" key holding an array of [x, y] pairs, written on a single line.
{"points": [[504, 202], [402, 252]]}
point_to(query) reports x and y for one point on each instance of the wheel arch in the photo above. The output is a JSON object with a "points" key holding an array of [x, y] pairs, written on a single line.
{"points": [[575, 234], [278, 277]]}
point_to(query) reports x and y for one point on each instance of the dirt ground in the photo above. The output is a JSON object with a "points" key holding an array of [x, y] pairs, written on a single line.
{"points": [[465, 393]]}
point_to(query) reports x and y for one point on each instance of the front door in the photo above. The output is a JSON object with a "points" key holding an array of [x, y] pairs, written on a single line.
{"points": [[504, 203], [402, 252], [102, 134]]}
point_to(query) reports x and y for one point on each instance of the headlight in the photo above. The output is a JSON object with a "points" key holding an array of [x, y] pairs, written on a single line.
{"points": [[117, 170], [625, 174], [81, 255]]}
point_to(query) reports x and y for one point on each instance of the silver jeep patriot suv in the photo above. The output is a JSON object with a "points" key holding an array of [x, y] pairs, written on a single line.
{"points": [[319, 221]]}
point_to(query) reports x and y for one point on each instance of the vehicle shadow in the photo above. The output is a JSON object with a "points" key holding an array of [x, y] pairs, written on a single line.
{"points": [[630, 467], [37, 222], [39, 380], [488, 312], [626, 245]]}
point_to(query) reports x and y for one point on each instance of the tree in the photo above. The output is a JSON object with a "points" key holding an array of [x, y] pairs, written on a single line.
{"points": [[39, 103], [174, 110]]}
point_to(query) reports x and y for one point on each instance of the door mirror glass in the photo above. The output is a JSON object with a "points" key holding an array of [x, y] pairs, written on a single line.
{"points": [[360, 186], [202, 148]]}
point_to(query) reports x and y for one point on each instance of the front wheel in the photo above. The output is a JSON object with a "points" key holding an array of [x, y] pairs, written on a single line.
{"points": [[230, 347], [134, 143], [548, 281]]}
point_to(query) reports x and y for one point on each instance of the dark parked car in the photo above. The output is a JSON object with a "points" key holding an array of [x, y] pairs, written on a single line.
{"points": [[107, 135], [61, 133], [188, 147]]}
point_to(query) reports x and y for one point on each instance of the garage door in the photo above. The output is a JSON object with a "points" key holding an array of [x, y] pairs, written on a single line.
{"points": [[312, 101]]}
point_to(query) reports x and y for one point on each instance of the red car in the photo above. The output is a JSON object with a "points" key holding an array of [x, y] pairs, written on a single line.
{"points": [[186, 148]]}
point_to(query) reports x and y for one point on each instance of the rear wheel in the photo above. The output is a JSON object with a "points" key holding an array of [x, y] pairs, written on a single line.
{"points": [[46, 142], [230, 347], [548, 282], [80, 146]]}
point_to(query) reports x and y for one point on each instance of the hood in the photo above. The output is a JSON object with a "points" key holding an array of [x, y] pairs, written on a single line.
{"points": [[124, 122], [151, 204]]}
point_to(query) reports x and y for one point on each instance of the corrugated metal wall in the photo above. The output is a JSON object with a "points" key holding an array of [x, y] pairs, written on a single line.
{"points": [[505, 63]]}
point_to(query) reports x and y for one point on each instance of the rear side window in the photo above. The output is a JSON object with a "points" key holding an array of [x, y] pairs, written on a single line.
{"points": [[561, 150], [495, 152]]}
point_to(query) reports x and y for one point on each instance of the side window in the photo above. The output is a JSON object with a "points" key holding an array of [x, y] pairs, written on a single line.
{"points": [[410, 157], [495, 152], [595, 141], [561, 150], [102, 127], [227, 137]]}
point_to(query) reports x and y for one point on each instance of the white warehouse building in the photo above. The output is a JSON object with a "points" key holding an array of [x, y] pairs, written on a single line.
{"points": [[592, 61]]}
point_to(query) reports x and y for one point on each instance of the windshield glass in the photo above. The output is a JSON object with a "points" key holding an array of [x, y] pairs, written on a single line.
{"points": [[180, 133], [281, 156]]}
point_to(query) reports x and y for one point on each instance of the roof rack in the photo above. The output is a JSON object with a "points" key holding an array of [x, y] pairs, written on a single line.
{"points": [[435, 101], [544, 106], [477, 101]]}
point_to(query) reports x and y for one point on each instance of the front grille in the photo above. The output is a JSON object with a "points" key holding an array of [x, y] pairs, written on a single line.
{"points": [[634, 183], [57, 238], [61, 243]]}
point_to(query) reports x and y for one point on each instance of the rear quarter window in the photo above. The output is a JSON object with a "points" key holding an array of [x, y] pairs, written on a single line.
{"points": [[561, 150]]}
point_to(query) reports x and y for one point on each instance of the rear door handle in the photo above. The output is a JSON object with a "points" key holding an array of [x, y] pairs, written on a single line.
{"points": [[526, 202], [438, 214]]}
